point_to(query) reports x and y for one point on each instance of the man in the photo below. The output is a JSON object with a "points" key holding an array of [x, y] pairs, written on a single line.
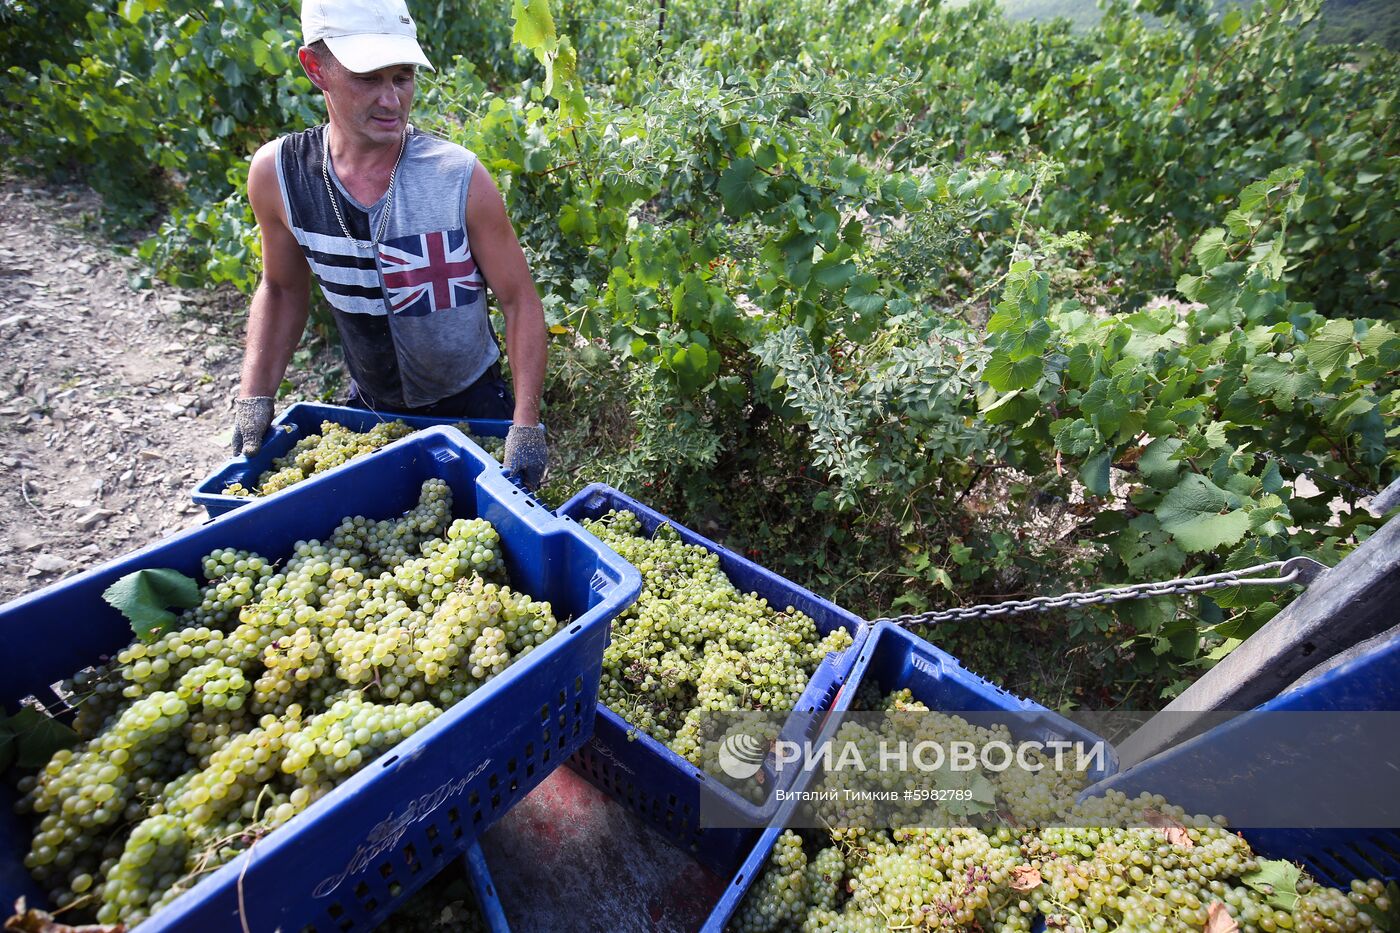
{"points": [[402, 232]]}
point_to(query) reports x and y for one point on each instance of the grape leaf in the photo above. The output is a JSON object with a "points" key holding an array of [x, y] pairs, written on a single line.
{"points": [[696, 357], [145, 595], [1011, 408], [981, 795], [1277, 880], [864, 303], [36, 737], [561, 72], [534, 27], [1174, 831], [1075, 437], [1331, 345], [1210, 250], [1157, 465], [1102, 397], [1004, 374], [740, 186], [1270, 377], [1198, 514], [1020, 334], [1377, 337], [1094, 474]]}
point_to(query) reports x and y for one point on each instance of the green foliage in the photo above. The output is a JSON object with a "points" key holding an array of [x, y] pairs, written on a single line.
{"points": [[29, 738], [916, 305], [1277, 880], [145, 597], [32, 31], [159, 104], [1198, 410]]}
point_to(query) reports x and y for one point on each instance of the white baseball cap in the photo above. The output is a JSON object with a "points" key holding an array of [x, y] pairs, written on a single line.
{"points": [[364, 35]]}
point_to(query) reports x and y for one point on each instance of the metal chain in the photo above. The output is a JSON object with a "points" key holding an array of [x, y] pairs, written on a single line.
{"points": [[1294, 570], [335, 201], [1315, 474]]}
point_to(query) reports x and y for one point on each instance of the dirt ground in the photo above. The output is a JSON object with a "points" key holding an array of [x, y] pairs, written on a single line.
{"points": [[115, 402]]}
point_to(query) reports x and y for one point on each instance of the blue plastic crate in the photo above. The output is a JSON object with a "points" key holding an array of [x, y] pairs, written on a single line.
{"points": [[351, 857], [472, 864], [486, 900], [896, 659], [646, 775], [304, 420], [1334, 856]]}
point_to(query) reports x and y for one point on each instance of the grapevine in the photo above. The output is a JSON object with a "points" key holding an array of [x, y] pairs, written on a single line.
{"points": [[693, 645], [336, 444], [263, 698]]}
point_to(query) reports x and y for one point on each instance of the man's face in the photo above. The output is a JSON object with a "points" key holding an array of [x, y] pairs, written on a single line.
{"points": [[374, 105]]}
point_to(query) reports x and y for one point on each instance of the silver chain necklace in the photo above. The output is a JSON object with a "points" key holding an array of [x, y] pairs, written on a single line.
{"points": [[335, 201]]}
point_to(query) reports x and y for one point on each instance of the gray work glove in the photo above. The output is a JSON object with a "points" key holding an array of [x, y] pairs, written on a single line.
{"points": [[251, 418], [526, 454]]}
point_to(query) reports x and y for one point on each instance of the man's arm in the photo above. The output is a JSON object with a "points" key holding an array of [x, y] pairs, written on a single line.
{"points": [[502, 263], [281, 303]]}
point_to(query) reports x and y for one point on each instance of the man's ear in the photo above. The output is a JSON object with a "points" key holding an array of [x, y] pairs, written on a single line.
{"points": [[312, 66]]}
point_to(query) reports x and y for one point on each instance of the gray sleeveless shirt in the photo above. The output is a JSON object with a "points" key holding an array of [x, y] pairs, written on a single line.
{"points": [[411, 309]]}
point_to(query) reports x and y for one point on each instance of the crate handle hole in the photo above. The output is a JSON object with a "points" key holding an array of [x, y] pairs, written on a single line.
{"points": [[390, 761]]}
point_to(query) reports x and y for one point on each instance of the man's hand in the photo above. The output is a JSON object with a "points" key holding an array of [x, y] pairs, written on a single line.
{"points": [[251, 418], [526, 454]]}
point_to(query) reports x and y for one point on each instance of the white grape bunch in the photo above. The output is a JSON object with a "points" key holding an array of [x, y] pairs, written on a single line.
{"points": [[334, 445], [693, 645]]}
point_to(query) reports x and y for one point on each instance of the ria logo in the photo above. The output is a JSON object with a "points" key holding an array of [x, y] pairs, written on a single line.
{"points": [[741, 756]]}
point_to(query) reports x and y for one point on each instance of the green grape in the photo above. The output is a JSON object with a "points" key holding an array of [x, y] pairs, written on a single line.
{"points": [[495, 446], [333, 745], [277, 687], [692, 644], [151, 862], [1107, 863], [778, 900], [235, 772], [334, 445]]}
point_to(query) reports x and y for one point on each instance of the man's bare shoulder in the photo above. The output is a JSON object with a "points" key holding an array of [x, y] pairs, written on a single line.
{"points": [[264, 193], [262, 170]]}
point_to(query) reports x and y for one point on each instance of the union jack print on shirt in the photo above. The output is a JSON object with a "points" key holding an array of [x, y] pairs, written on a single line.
{"points": [[429, 272]]}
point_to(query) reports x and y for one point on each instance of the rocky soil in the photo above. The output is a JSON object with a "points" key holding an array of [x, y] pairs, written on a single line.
{"points": [[114, 402]]}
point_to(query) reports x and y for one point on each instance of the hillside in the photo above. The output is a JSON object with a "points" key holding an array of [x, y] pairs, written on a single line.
{"points": [[1343, 20]]}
